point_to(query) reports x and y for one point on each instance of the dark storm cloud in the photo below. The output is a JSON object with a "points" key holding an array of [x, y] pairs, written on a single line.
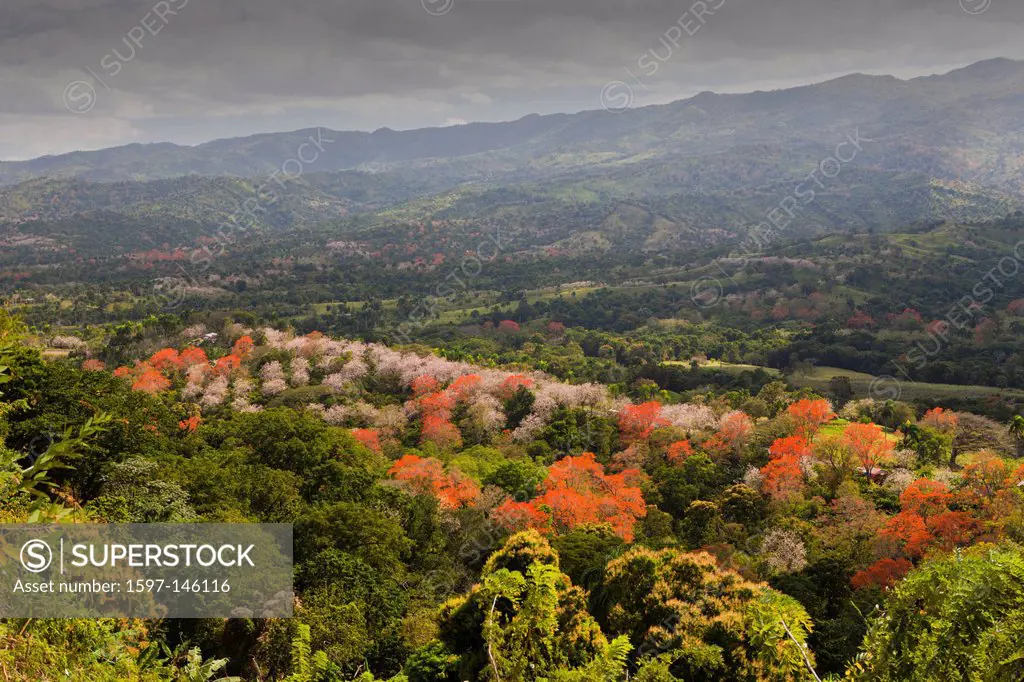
{"points": [[188, 70]]}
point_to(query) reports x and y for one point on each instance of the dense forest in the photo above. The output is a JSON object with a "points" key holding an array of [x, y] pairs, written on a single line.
{"points": [[486, 520]]}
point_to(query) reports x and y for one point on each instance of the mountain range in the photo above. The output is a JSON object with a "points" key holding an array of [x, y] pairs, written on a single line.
{"points": [[694, 177]]}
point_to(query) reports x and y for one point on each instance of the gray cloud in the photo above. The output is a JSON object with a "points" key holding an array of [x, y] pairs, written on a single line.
{"points": [[228, 67]]}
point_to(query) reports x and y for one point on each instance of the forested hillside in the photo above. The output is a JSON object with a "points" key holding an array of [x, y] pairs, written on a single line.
{"points": [[455, 521]]}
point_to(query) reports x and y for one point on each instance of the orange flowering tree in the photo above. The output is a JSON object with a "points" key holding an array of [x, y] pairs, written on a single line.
{"points": [[679, 452], [869, 445], [809, 415], [150, 380], [243, 347], [464, 386], [192, 356], [941, 420], [732, 435], [577, 491], [436, 408], [190, 424], [227, 364], [636, 422], [925, 520], [424, 385], [512, 383], [883, 573], [427, 476], [166, 359], [368, 437], [783, 475], [440, 431]]}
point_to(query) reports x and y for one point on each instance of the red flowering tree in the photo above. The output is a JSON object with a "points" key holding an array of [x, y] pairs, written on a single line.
{"points": [[809, 415], [437, 429], [883, 573], [149, 380], [190, 424], [226, 365], [93, 365], [508, 327], [783, 478], [985, 332], [925, 520], [424, 385], [192, 356], [243, 347], [439, 404], [577, 491], [860, 320], [732, 435], [368, 437], [164, 360], [512, 383], [941, 420], [983, 480], [427, 476], [518, 516], [679, 452], [783, 475], [464, 386], [925, 497], [869, 445], [909, 319], [909, 531], [636, 422], [952, 529], [793, 446]]}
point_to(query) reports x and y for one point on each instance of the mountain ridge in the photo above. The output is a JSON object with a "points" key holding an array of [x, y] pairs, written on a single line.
{"points": [[812, 110]]}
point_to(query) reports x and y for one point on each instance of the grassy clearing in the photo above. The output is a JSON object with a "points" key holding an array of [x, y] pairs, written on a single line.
{"points": [[818, 377], [729, 367], [833, 428]]}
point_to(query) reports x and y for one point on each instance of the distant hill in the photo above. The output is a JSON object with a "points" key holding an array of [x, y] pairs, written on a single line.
{"points": [[689, 176], [949, 126]]}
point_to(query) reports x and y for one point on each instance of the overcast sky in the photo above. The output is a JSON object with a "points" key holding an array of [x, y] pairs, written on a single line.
{"points": [[87, 74]]}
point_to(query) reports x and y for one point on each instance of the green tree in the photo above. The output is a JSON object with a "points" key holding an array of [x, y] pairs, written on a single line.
{"points": [[716, 625], [518, 406], [525, 620], [955, 617], [1017, 431], [520, 478], [931, 445]]}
